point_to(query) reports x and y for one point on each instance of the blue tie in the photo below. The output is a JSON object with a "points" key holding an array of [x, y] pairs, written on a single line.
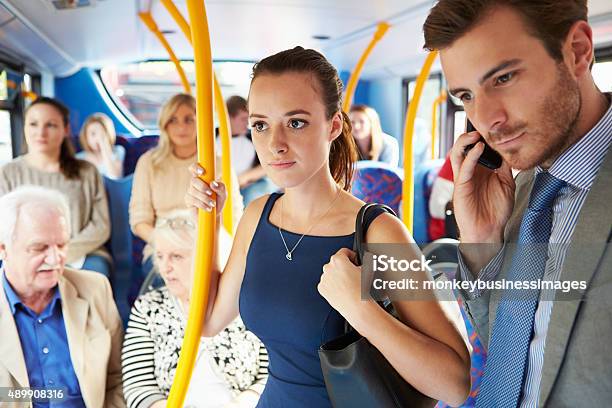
{"points": [[503, 378]]}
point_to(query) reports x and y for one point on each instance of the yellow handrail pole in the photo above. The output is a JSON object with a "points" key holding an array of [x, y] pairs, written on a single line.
{"points": [[413, 105], [29, 95], [224, 131], [226, 154], [206, 221], [147, 19], [434, 122], [352, 83], [178, 18]]}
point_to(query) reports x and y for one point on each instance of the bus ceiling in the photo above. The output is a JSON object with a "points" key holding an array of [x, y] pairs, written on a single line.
{"points": [[61, 36]]}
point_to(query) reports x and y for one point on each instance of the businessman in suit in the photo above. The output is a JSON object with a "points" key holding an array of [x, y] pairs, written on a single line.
{"points": [[522, 69], [60, 327]]}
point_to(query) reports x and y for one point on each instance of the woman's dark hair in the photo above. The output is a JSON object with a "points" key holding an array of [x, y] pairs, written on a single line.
{"points": [[343, 153], [70, 166]]}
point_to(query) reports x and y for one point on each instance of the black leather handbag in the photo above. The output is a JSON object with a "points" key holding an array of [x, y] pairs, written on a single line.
{"points": [[356, 373]]}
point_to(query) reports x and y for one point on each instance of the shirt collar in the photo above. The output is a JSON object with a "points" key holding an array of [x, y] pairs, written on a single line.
{"points": [[579, 164], [14, 300]]}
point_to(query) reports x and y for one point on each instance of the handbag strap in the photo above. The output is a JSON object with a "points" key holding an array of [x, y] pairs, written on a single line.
{"points": [[366, 215]]}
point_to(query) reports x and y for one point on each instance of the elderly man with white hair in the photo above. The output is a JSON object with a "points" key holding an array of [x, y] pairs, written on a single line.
{"points": [[60, 327]]}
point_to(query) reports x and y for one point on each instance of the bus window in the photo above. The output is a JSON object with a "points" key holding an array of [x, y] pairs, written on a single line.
{"points": [[3, 86], [6, 145], [422, 126], [602, 74], [10, 84], [142, 88], [459, 124]]}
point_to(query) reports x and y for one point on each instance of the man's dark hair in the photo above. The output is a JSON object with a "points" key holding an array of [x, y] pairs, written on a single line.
{"points": [[547, 20], [236, 104]]}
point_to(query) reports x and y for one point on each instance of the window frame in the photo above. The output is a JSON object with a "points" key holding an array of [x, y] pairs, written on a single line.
{"points": [[441, 111], [144, 130]]}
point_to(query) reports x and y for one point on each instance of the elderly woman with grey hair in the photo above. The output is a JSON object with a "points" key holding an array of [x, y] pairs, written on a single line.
{"points": [[231, 368]]}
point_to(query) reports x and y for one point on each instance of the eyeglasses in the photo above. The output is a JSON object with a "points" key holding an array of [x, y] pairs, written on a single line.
{"points": [[174, 223]]}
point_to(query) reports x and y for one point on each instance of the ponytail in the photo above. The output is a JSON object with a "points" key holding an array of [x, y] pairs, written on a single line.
{"points": [[70, 166], [343, 155]]}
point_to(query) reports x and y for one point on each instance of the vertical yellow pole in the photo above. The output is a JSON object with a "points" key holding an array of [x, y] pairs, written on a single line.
{"points": [[413, 105], [434, 121], [224, 131], [226, 154], [352, 83], [147, 19], [206, 221]]}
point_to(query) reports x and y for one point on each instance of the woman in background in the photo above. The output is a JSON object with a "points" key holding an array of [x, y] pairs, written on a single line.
{"points": [[372, 142], [50, 162], [97, 139], [162, 177]]}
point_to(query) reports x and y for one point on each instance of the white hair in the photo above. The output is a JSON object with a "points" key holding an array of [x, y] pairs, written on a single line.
{"points": [[180, 228], [11, 203]]}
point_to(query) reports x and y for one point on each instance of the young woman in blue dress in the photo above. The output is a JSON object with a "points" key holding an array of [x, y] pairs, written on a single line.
{"points": [[290, 274]]}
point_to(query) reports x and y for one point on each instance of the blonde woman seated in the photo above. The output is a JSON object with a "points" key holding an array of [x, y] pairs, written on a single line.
{"points": [[97, 139], [372, 143], [162, 177], [231, 368]]}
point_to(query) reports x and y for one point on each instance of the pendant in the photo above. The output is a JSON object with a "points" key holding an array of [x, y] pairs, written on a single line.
{"points": [[288, 256]]}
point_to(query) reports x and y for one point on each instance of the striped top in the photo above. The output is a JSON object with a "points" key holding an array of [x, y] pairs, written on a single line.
{"points": [[152, 345], [578, 167]]}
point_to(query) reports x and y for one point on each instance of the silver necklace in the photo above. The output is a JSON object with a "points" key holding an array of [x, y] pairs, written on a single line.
{"points": [[289, 254]]}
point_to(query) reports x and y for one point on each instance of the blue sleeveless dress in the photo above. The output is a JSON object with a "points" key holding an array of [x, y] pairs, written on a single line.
{"points": [[279, 302]]}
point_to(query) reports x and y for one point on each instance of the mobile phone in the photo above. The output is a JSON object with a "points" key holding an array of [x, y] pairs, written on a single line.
{"points": [[489, 157]]}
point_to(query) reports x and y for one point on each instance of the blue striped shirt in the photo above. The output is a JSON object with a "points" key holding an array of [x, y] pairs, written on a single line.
{"points": [[578, 167]]}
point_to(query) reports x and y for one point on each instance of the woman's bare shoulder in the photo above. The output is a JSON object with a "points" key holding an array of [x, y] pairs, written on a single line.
{"points": [[250, 219]]}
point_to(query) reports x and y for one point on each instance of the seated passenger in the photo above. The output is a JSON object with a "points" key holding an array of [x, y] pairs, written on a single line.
{"points": [[60, 327], [372, 143], [50, 162], [251, 175], [161, 177], [97, 139], [231, 368]]}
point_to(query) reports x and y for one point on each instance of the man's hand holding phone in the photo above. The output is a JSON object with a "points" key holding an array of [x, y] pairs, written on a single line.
{"points": [[483, 199]]}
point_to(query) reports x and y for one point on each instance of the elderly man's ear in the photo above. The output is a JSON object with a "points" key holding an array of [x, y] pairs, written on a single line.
{"points": [[2, 251]]}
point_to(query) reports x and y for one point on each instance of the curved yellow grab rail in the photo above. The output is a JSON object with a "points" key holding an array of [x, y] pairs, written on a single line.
{"points": [[178, 18], [206, 221], [147, 19], [413, 105], [352, 83], [224, 130], [29, 95], [226, 154], [434, 113]]}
